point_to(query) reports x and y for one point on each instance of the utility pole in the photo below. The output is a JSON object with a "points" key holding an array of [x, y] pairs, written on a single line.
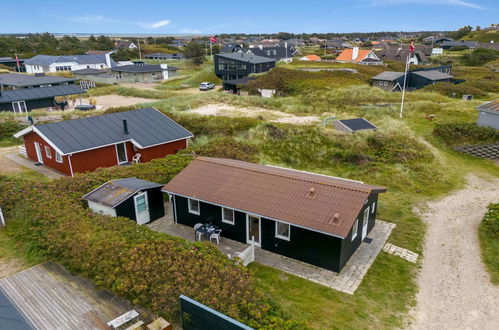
{"points": [[140, 54]]}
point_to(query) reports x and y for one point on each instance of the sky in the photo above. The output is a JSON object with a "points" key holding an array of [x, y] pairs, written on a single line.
{"points": [[255, 16]]}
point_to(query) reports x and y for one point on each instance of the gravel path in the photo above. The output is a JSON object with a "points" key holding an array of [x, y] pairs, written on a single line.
{"points": [[455, 289]]}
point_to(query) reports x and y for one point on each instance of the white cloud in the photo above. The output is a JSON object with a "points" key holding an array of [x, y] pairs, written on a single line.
{"points": [[154, 25], [99, 19], [460, 3]]}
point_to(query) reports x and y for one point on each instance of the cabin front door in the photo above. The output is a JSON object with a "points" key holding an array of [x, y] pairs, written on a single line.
{"points": [[141, 208], [38, 150], [253, 229]]}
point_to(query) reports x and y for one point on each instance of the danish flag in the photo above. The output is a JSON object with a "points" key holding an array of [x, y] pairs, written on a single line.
{"points": [[213, 39], [411, 47]]}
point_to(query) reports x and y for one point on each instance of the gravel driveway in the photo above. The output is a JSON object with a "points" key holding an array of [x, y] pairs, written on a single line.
{"points": [[455, 289]]}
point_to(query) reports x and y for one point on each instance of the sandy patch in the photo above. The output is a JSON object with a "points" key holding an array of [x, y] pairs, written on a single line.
{"points": [[114, 101], [455, 289], [10, 266], [270, 115], [149, 86], [7, 166]]}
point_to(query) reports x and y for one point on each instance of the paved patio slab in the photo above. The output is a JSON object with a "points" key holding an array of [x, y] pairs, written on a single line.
{"points": [[48, 172], [346, 281]]}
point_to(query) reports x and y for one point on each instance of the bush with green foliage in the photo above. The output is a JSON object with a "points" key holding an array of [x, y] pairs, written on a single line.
{"points": [[454, 90], [7, 130], [148, 268], [489, 241], [479, 57], [228, 147], [465, 133], [195, 52]]}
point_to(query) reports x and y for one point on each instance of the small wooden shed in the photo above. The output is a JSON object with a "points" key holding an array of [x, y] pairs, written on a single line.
{"points": [[133, 198]]}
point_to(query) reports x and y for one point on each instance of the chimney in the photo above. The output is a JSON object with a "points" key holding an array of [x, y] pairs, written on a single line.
{"points": [[125, 127], [261, 47], [355, 53], [108, 59]]}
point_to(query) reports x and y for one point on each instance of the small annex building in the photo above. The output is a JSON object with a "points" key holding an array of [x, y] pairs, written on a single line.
{"points": [[314, 218], [85, 144], [18, 81], [354, 125], [132, 198], [488, 114]]}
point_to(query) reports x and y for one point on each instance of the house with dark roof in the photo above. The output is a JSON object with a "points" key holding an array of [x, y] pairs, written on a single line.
{"points": [[488, 114], [124, 44], [144, 73], [401, 55], [164, 56], [230, 66], [27, 99], [17, 81], [85, 144], [418, 78], [12, 64], [314, 218], [231, 48], [459, 43], [133, 198], [354, 125], [50, 63]]}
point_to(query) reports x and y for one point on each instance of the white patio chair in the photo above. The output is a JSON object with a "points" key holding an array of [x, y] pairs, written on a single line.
{"points": [[136, 158], [216, 235], [197, 236]]}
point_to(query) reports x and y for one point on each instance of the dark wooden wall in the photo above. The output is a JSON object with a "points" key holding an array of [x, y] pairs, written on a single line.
{"points": [[154, 199]]}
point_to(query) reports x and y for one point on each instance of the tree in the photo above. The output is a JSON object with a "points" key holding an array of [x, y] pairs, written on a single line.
{"points": [[461, 32], [195, 52], [479, 57]]}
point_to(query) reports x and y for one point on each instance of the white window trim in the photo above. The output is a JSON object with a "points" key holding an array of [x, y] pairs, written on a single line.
{"points": [[20, 108], [355, 229], [48, 152], [366, 214], [373, 207], [233, 216], [198, 212], [287, 238], [117, 155], [58, 157]]}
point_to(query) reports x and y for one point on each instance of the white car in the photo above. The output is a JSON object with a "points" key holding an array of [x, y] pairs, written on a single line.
{"points": [[206, 86]]}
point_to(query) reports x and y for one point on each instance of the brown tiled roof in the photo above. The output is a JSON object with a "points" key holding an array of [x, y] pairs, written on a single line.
{"points": [[299, 198]]}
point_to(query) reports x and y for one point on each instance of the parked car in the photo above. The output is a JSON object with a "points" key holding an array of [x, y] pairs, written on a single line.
{"points": [[206, 86]]}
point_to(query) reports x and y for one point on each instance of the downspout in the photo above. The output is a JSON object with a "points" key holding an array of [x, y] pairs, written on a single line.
{"points": [[70, 165]]}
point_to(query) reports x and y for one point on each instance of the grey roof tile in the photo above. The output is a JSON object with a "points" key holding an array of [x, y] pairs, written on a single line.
{"points": [[39, 93]]}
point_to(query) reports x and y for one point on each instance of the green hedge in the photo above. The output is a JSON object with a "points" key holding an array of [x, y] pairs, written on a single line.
{"points": [[457, 90], [7, 129], [150, 269], [489, 241], [465, 133]]}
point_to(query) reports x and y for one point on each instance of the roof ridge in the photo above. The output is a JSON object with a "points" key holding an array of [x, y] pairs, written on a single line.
{"points": [[207, 159]]}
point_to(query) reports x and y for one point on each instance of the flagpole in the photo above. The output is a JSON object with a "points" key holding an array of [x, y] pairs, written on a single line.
{"points": [[403, 87]]}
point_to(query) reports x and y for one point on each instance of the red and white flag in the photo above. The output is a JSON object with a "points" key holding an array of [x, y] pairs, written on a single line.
{"points": [[411, 47], [18, 62], [213, 39]]}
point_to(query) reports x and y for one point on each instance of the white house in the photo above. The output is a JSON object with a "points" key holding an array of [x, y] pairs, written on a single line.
{"points": [[49, 63]]}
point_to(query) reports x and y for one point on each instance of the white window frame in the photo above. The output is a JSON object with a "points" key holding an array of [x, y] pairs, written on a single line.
{"points": [[366, 214], [225, 209], [355, 229], [48, 153], [58, 157], [117, 155], [21, 108], [373, 207], [189, 201], [287, 238]]}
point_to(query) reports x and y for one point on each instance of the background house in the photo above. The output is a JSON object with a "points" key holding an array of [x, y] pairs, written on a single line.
{"points": [[49, 63], [488, 114], [359, 56], [231, 66], [132, 198], [12, 64], [310, 58], [314, 218], [27, 99], [164, 56], [17, 81], [459, 43], [143, 73], [400, 55], [389, 80], [85, 144], [418, 78]]}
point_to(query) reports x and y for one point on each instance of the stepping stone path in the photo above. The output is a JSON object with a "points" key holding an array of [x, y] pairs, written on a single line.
{"points": [[401, 252]]}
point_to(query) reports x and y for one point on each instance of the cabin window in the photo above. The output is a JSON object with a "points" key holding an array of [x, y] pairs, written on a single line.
{"points": [[19, 106], [193, 206], [282, 230], [355, 229], [366, 215], [47, 152], [381, 83], [385, 83], [58, 157], [372, 207], [227, 215]]}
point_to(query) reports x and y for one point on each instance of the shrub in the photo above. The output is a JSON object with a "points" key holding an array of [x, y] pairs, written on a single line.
{"points": [[450, 89], [479, 57], [228, 147], [465, 133], [490, 221], [489, 86], [489, 241], [7, 129], [214, 125]]}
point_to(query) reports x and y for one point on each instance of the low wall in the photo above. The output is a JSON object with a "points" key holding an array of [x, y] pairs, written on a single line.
{"points": [[490, 151]]}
